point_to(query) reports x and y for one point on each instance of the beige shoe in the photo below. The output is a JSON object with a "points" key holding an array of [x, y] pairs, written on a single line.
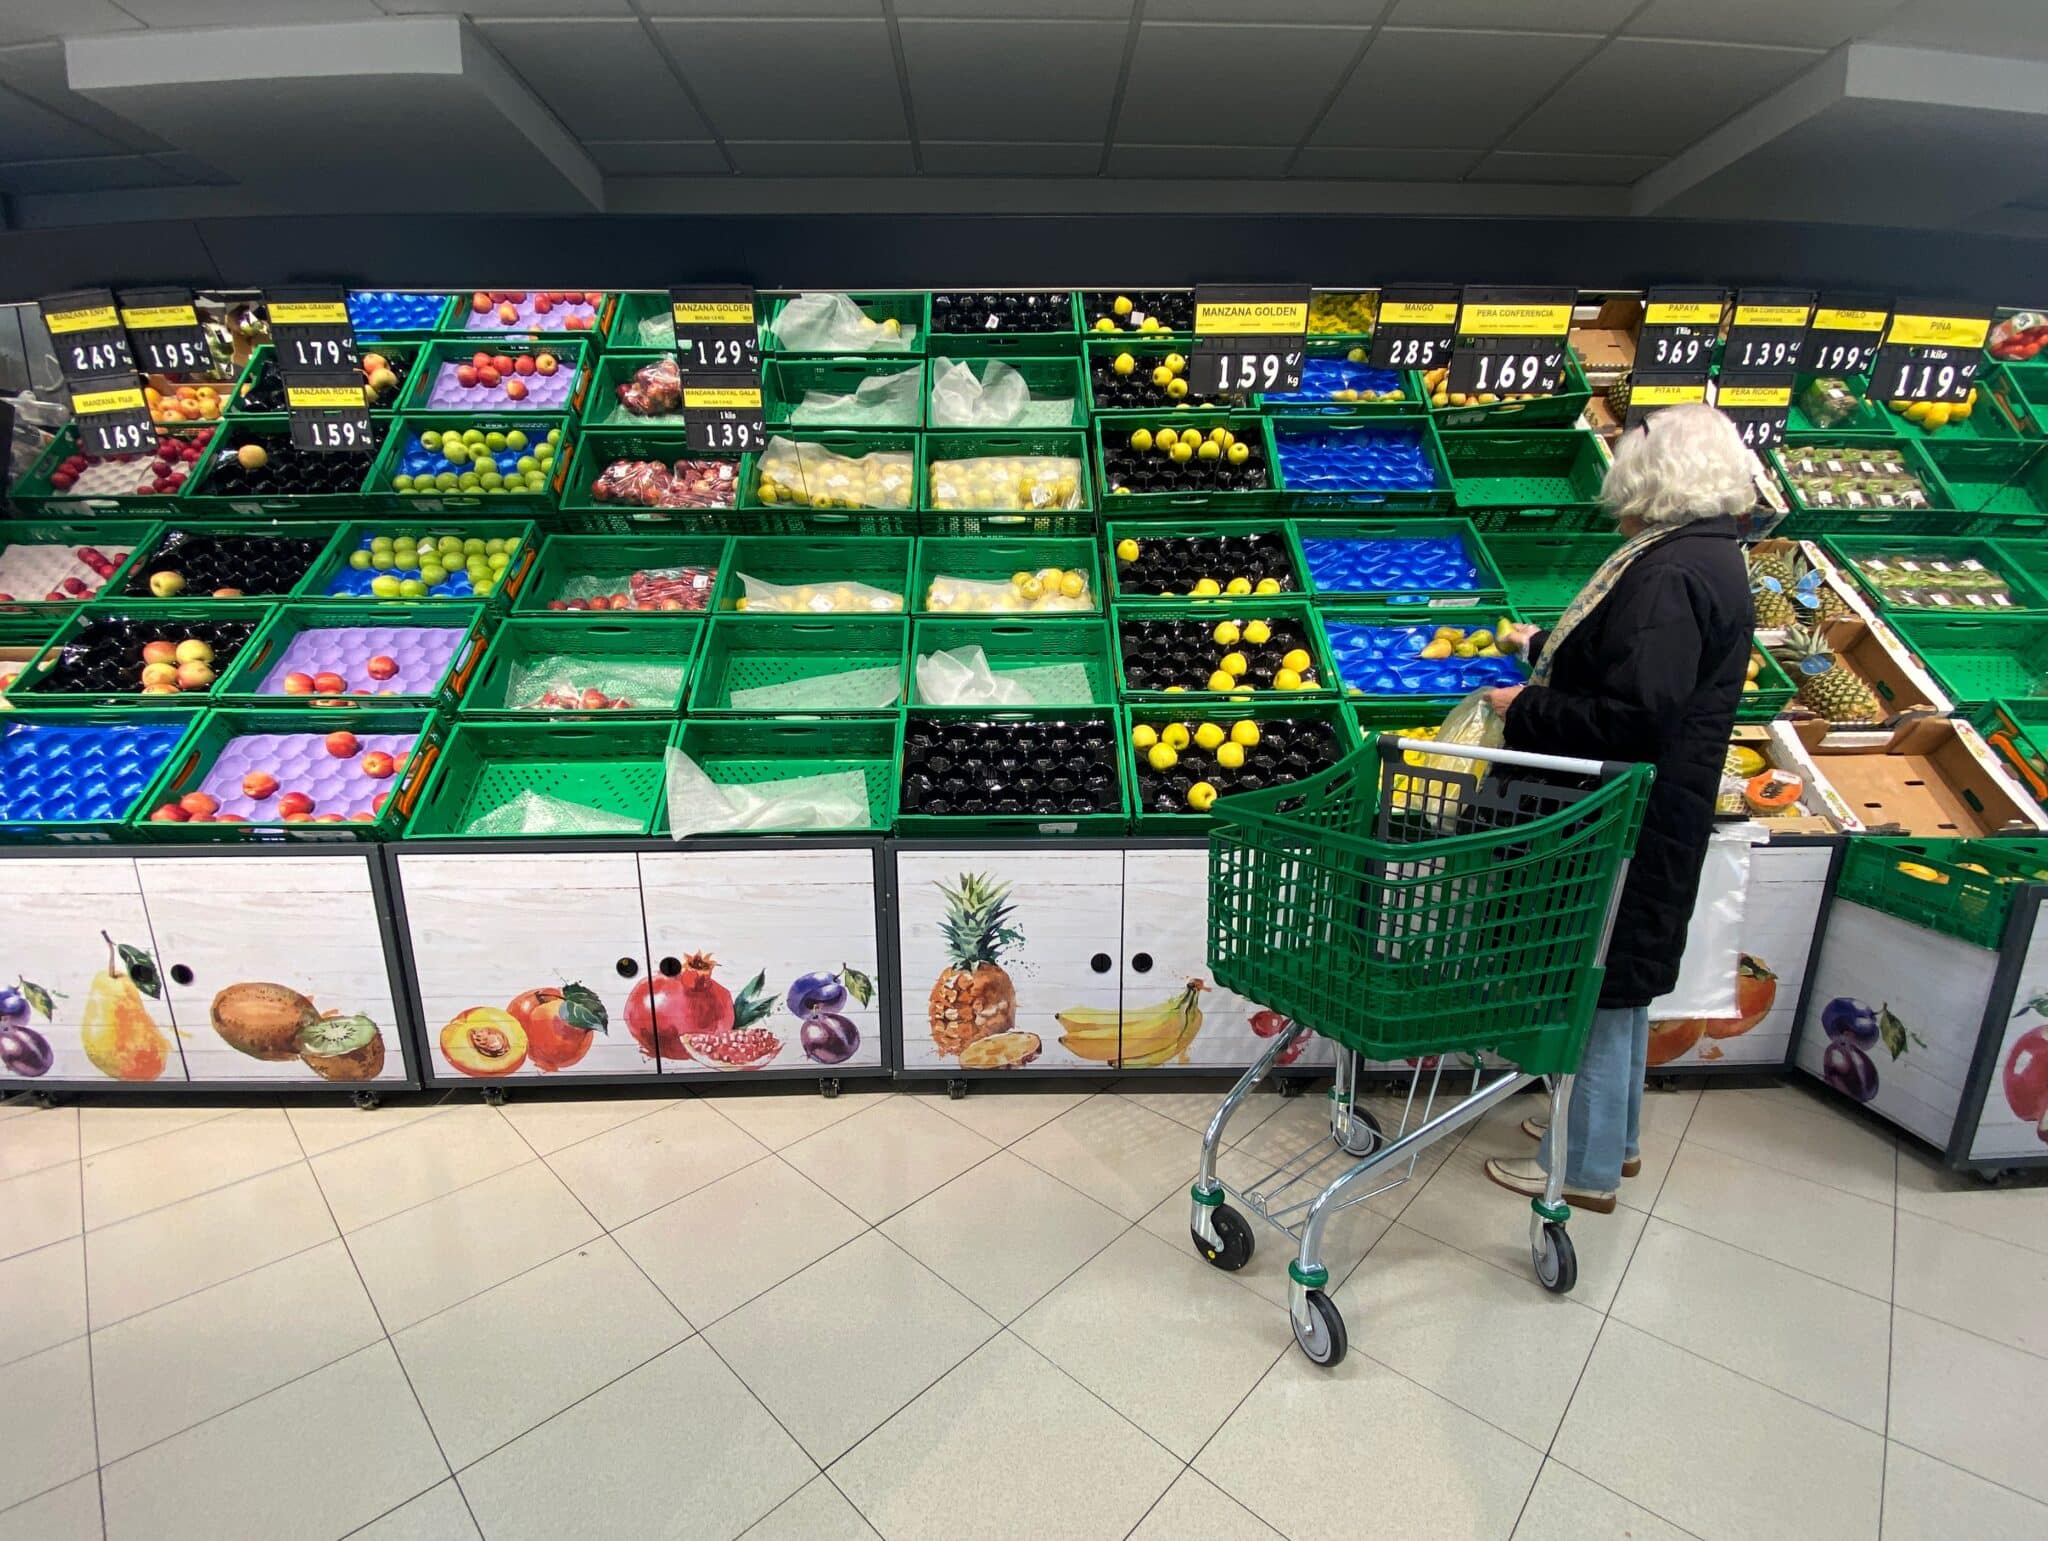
{"points": [[1536, 1128], [1526, 1177]]}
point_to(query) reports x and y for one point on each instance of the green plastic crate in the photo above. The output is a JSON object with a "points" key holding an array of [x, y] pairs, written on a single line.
{"points": [[455, 322], [1805, 521], [822, 563], [2022, 394], [144, 562], [1865, 418], [1249, 429], [643, 320], [1142, 530], [326, 582], [1968, 905], [1299, 611], [1773, 693], [22, 637], [802, 514], [2017, 732], [259, 359], [130, 537], [30, 690], [1021, 644], [1505, 480], [1058, 389], [1559, 410], [200, 501], [32, 493], [1473, 617], [242, 683], [760, 752], [1410, 400], [1980, 659], [379, 337], [1094, 304], [599, 448], [186, 772], [601, 407], [615, 767], [535, 425], [572, 355], [1264, 712], [669, 640], [785, 382], [1280, 431], [1988, 419], [908, 307], [1852, 551], [751, 654], [1489, 586], [23, 831], [996, 559], [984, 825], [2029, 555], [1545, 571], [2003, 485], [570, 565], [1065, 338], [1059, 511], [1148, 352]]}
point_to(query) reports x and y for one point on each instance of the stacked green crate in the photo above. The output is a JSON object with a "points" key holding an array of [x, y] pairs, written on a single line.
{"points": [[45, 797], [351, 570], [822, 391], [93, 658], [1232, 561], [801, 577], [1842, 486], [637, 575], [1410, 657], [295, 629], [1134, 484], [1294, 624], [587, 664], [1059, 331], [1521, 481], [36, 490], [1007, 482], [39, 557], [901, 323], [765, 753], [1304, 453], [701, 499], [1980, 659], [1056, 391], [1363, 561], [258, 390], [825, 481], [539, 430], [1543, 571], [786, 665], [1928, 575], [562, 776], [1268, 714], [569, 356], [204, 498], [2003, 485], [978, 574], [1560, 409], [1060, 663]]}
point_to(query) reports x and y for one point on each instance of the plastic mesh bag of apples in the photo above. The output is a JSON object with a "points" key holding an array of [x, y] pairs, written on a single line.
{"points": [[561, 682]]}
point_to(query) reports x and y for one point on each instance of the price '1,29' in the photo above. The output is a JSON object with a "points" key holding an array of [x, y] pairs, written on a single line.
{"points": [[726, 353]]}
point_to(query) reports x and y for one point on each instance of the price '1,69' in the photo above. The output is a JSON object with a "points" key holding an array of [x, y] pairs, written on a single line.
{"points": [[1517, 372], [121, 438]]}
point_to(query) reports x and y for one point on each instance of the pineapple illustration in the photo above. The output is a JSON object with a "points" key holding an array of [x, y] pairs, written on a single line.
{"points": [[1828, 687], [974, 998]]}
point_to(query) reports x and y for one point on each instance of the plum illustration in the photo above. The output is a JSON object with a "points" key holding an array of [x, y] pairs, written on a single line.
{"points": [[829, 1038], [1846, 1068], [1846, 1017], [24, 1051], [815, 992]]}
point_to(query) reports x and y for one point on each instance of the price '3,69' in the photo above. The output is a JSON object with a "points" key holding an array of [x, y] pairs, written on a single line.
{"points": [[1678, 352]]}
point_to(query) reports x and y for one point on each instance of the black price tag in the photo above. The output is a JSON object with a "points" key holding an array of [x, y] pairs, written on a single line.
{"points": [[1679, 330], [1651, 390], [1845, 334], [1511, 341], [311, 329], [1932, 351], [85, 328], [164, 332], [716, 329], [1759, 406], [1416, 326], [112, 416], [722, 413], [1248, 337], [328, 411], [1768, 332]]}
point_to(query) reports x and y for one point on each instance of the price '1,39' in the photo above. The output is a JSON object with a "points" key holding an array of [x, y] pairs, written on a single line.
{"points": [[730, 433]]}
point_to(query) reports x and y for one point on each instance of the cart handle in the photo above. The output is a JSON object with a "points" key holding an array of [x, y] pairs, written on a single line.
{"points": [[1603, 770]]}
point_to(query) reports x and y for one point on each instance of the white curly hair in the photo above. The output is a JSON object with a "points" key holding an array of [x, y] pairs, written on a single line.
{"points": [[1679, 464]]}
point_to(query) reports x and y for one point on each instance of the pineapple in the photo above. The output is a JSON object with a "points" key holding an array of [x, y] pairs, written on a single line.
{"points": [[1828, 687], [1618, 397], [974, 998], [1771, 580]]}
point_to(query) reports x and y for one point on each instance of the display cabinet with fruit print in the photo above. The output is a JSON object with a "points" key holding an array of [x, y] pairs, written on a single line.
{"points": [[216, 969]]}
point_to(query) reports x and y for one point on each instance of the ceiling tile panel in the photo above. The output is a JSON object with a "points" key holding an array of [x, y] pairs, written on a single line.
{"points": [[1361, 13], [98, 175], [1801, 24], [656, 157], [37, 71], [601, 77], [1002, 80], [1656, 98], [1558, 166], [821, 158], [1012, 10], [786, 79], [953, 158], [1382, 165], [1536, 15], [499, 10], [31, 21], [31, 132], [246, 13], [2018, 28], [1429, 89], [1252, 85], [747, 8], [1198, 160]]}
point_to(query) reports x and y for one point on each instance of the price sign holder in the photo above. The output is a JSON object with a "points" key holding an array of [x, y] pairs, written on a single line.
{"points": [[1768, 332], [310, 327], [716, 329], [1652, 389], [1932, 351], [327, 411], [1679, 330], [85, 328], [722, 413], [1511, 340], [1846, 331], [1416, 327], [164, 333], [112, 416], [1759, 405], [1248, 337]]}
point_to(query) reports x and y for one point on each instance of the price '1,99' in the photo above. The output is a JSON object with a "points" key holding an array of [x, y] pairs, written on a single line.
{"points": [[1842, 358]]}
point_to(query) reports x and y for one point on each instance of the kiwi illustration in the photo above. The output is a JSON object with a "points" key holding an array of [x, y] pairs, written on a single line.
{"points": [[262, 1020], [342, 1048]]}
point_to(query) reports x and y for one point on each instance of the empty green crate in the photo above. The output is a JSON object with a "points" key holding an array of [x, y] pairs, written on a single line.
{"points": [[911, 825], [1499, 479], [243, 682], [2021, 391], [571, 353], [1265, 712], [17, 828], [907, 307], [615, 768], [1112, 435], [1852, 552], [1117, 532], [786, 383], [1298, 495], [834, 506], [33, 493], [1967, 903], [587, 648], [996, 560], [2027, 554], [2004, 485], [236, 404], [586, 568], [200, 500], [186, 772], [339, 579], [761, 752], [1014, 644], [741, 655], [644, 319], [1058, 389], [1545, 571], [36, 555], [1559, 410], [817, 568], [33, 688], [500, 504], [1980, 659], [1488, 585], [1297, 611], [1063, 338], [597, 449]]}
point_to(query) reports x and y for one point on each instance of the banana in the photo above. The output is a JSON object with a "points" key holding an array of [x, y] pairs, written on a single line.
{"points": [[1138, 1039]]}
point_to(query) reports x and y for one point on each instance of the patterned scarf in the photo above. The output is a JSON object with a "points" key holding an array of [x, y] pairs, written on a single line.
{"points": [[1587, 600]]}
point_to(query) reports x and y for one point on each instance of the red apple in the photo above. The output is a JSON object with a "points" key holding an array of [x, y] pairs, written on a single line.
{"points": [[382, 667], [363, 816], [229, 818], [259, 785], [479, 359], [487, 376], [523, 365], [542, 304], [465, 375], [515, 389], [546, 363], [170, 813], [502, 362], [342, 744], [295, 802], [160, 651], [509, 314], [296, 684], [378, 805], [326, 818], [595, 700], [378, 765], [480, 302], [298, 818], [329, 683]]}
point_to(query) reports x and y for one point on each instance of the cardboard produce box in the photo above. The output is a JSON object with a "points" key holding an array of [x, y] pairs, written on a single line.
{"points": [[1873, 651], [1808, 816], [1931, 777]]}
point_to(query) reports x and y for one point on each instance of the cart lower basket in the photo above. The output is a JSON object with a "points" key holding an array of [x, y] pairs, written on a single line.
{"points": [[1412, 903]]}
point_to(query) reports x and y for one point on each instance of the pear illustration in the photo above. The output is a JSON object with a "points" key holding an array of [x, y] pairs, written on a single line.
{"points": [[116, 1030]]}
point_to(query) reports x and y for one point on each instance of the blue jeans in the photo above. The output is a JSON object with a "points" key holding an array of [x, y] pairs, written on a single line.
{"points": [[1605, 1123]]}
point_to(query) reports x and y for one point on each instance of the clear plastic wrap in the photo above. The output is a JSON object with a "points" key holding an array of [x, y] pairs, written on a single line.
{"points": [[962, 677], [1049, 591], [878, 401], [697, 805], [995, 398], [1033, 483], [536, 813], [854, 690], [663, 484], [654, 391], [564, 682], [813, 476], [765, 598], [668, 589], [832, 323]]}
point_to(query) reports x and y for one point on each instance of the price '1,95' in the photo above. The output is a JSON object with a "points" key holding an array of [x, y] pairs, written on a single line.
{"points": [[174, 355]]}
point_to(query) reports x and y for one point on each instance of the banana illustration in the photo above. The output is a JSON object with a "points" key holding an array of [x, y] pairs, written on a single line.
{"points": [[1139, 1039]]}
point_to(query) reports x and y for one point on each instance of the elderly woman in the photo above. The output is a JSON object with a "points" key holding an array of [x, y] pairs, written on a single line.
{"points": [[1646, 664]]}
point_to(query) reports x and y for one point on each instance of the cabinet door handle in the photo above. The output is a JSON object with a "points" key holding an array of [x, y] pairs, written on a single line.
{"points": [[1100, 963], [1141, 963], [628, 967], [670, 967], [180, 974]]}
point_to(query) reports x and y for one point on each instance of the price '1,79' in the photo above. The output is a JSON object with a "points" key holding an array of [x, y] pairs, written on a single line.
{"points": [[317, 353]]}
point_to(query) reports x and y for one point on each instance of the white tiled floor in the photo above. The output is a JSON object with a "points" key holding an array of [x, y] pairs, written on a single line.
{"points": [[895, 1316]]}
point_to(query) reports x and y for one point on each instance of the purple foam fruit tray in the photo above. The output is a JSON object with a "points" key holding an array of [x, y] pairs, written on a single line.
{"points": [[544, 393], [555, 320], [301, 763], [422, 654]]}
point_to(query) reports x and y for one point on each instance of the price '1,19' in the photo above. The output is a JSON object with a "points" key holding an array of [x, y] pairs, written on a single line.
{"points": [[1931, 382]]}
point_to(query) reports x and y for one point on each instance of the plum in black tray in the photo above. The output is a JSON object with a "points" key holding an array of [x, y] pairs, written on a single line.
{"points": [[1045, 767]]}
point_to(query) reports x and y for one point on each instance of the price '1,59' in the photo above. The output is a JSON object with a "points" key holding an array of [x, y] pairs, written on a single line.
{"points": [[1249, 371], [1679, 351], [339, 433]]}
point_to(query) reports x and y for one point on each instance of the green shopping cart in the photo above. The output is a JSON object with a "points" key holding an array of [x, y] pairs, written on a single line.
{"points": [[1415, 902]]}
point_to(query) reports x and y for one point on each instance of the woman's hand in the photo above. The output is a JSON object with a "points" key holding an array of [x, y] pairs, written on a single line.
{"points": [[1514, 636], [1502, 697]]}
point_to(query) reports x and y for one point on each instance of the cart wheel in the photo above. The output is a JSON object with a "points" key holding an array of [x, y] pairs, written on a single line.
{"points": [[368, 1101], [1557, 1265], [1324, 1341], [1237, 1240], [1365, 1135], [494, 1096]]}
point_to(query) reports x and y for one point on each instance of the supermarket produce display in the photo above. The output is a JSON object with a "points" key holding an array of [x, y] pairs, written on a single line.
{"points": [[885, 738]]}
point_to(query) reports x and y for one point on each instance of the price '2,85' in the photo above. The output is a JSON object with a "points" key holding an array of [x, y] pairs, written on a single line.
{"points": [[1414, 352]]}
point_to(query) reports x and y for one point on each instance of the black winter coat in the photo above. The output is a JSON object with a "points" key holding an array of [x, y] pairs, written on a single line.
{"points": [[1654, 674]]}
